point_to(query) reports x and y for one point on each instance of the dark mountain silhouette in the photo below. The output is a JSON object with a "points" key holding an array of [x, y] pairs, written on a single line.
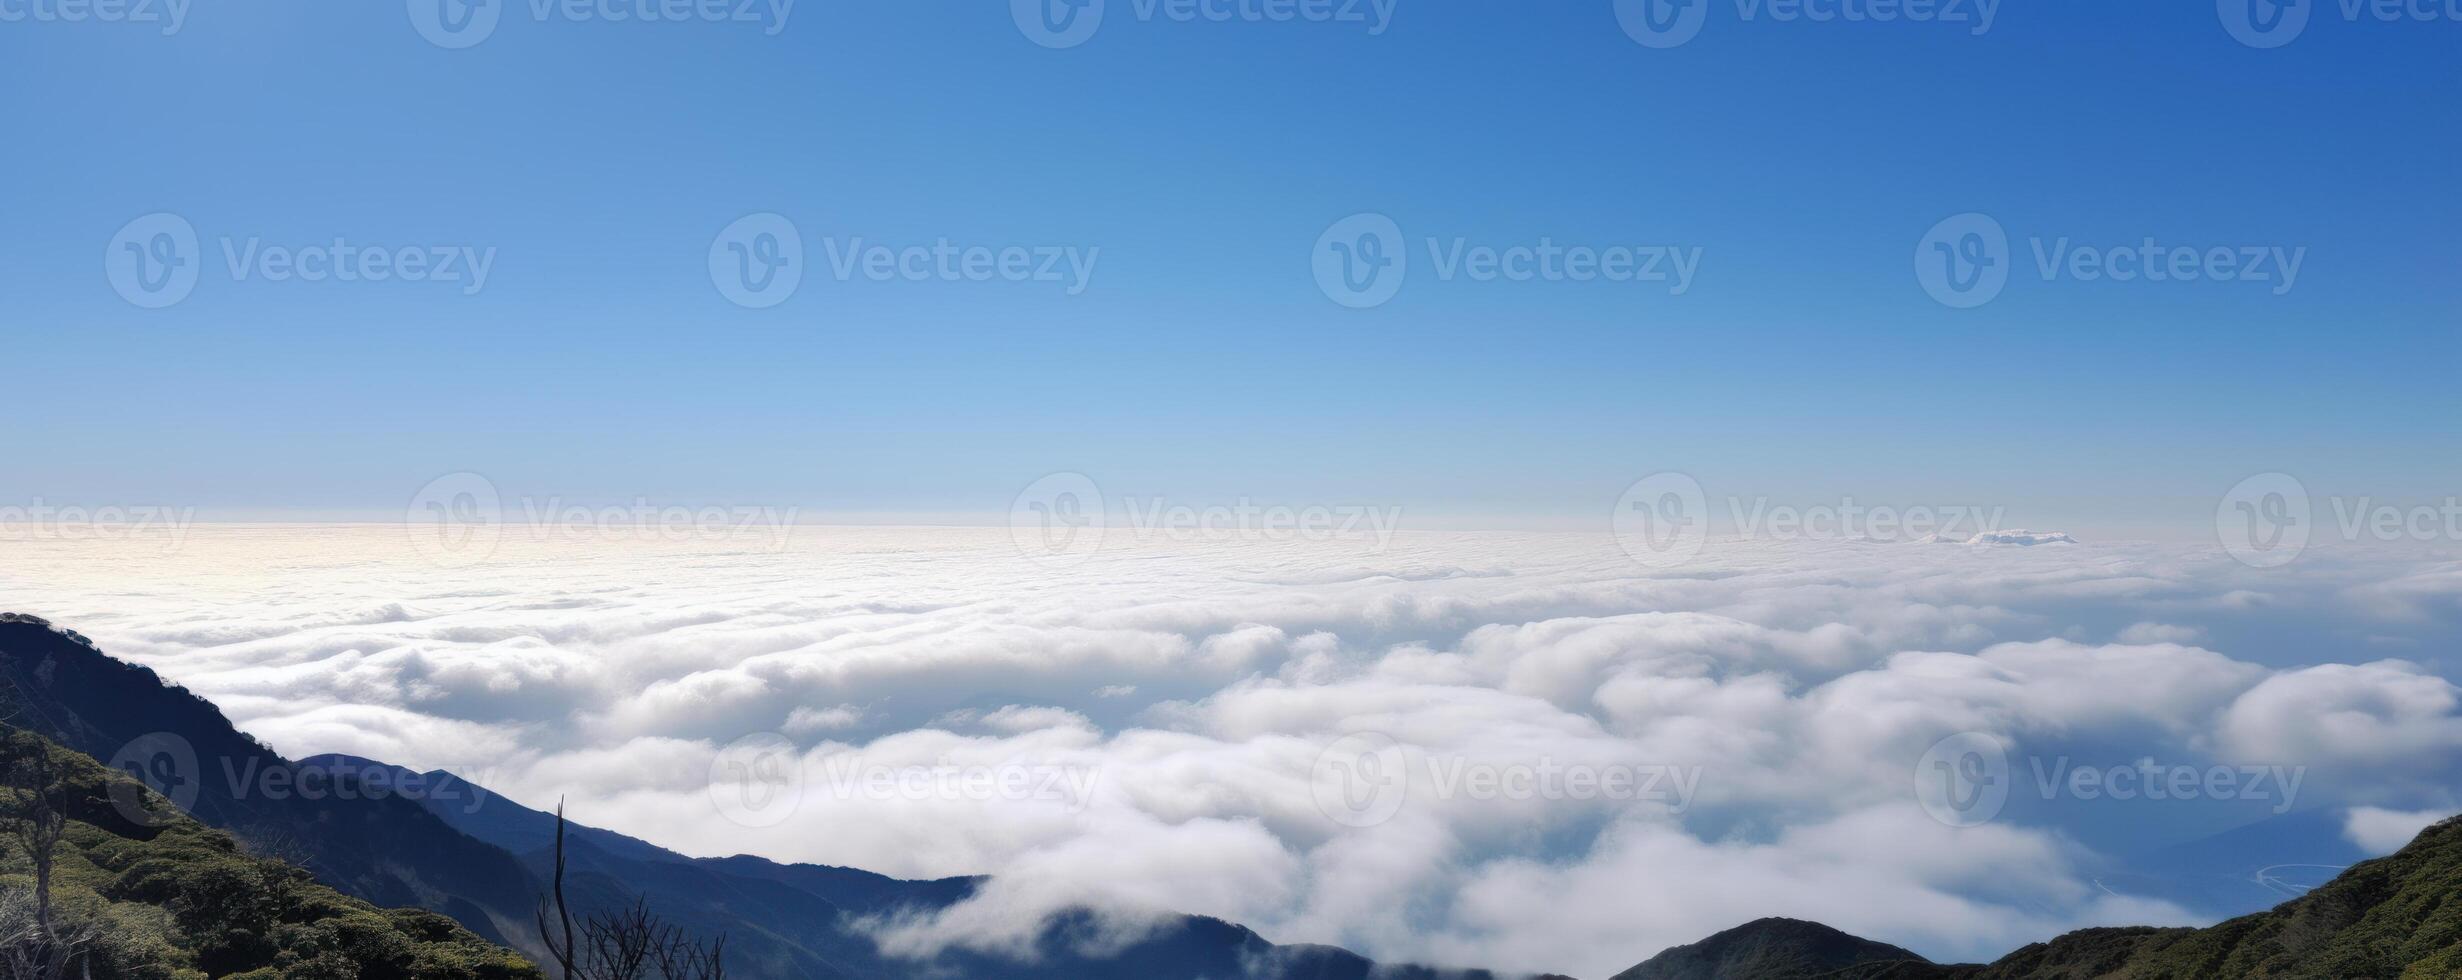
{"points": [[2393, 918], [1767, 948], [393, 837], [806, 920], [388, 851], [132, 888]]}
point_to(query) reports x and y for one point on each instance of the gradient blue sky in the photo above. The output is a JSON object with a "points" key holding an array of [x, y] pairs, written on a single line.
{"points": [[1204, 159]]}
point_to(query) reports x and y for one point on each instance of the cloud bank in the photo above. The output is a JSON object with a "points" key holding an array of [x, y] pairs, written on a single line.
{"points": [[1519, 751]]}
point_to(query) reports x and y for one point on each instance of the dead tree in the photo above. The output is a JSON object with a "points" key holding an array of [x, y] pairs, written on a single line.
{"points": [[30, 951], [630, 943], [36, 816]]}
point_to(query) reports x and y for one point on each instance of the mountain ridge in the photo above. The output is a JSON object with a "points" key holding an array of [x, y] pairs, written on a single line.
{"points": [[66, 689], [132, 889], [2395, 917], [486, 867]]}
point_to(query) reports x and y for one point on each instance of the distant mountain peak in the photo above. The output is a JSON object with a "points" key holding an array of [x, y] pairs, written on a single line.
{"points": [[1768, 949]]}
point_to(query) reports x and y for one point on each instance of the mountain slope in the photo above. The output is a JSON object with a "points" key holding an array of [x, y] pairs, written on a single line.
{"points": [[382, 849], [2396, 916], [484, 864], [161, 896], [802, 920], [1767, 948], [2393, 918]]}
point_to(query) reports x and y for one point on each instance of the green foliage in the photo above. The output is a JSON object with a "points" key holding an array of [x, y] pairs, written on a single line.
{"points": [[181, 901], [2394, 918]]}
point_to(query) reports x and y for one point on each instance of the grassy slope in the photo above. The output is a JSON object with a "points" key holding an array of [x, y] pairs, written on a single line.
{"points": [[173, 899], [2394, 917]]}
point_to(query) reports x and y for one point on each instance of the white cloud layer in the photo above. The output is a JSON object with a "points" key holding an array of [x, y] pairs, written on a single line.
{"points": [[2381, 831], [1586, 760]]}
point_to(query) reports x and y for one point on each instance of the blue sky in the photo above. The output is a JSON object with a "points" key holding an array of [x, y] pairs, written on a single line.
{"points": [[1805, 160]]}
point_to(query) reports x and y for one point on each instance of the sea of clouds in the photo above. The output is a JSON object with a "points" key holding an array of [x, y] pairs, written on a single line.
{"points": [[1154, 726]]}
